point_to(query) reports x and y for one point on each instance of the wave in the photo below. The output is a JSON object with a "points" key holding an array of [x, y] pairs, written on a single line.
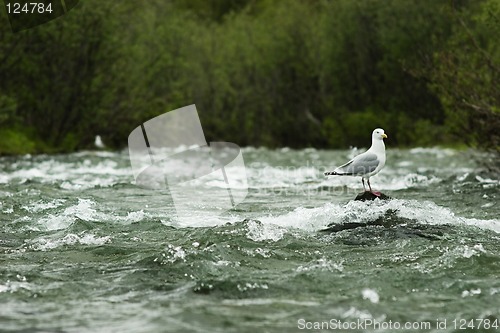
{"points": [[50, 215], [45, 244], [72, 172], [363, 213], [57, 214], [266, 169]]}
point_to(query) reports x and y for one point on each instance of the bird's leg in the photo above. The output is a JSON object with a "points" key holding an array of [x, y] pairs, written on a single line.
{"points": [[376, 193], [363, 181]]}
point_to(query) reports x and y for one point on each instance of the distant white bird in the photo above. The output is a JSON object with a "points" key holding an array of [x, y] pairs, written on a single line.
{"points": [[366, 164], [98, 142]]}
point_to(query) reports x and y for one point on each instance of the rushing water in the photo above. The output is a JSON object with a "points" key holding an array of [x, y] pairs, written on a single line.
{"points": [[83, 249]]}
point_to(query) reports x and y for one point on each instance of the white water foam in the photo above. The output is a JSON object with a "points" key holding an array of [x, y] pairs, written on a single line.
{"points": [[436, 151], [398, 174], [296, 178], [321, 264], [85, 210], [13, 286], [46, 244], [41, 205], [313, 219], [275, 227], [258, 231], [78, 175], [371, 295]]}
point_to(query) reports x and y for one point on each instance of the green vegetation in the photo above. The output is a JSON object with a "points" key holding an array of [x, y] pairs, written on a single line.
{"points": [[275, 73]]}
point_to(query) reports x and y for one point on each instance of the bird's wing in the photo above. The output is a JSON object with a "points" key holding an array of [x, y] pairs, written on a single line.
{"points": [[360, 165], [344, 165]]}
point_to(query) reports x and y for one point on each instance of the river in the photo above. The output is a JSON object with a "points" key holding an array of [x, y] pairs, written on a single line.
{"points": [[83, 249]]}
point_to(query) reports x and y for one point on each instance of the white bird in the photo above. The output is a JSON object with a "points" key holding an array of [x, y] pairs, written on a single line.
{"points": [[98, 142], [366, 164]]}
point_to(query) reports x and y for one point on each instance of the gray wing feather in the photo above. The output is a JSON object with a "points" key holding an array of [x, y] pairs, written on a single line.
{"points": [[360, 165]]}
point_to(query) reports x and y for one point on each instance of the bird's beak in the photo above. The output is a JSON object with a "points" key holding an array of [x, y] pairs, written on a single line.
{"points": [[384, 136]]}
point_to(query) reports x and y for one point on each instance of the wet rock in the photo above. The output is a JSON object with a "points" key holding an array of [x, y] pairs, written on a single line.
{"points": [[370, 196], [388, 220], [393, 226]]}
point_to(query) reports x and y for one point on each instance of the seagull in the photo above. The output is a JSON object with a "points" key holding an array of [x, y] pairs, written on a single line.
{"points": [[366, 164], [98, 142]]}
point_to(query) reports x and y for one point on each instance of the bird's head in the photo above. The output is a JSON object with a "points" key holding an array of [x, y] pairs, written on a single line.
{"points": [[379, 134]]}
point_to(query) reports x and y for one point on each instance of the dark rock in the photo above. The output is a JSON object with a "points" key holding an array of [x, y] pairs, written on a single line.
{"points": [[387, 220], [399, 227], [370, 196], [344, 226]]}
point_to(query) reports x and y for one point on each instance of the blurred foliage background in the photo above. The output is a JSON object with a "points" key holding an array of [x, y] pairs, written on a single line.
{"points": [[291, 73]]}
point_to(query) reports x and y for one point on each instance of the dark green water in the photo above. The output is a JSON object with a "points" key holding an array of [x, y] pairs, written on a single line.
{"points": [[84, 250]]}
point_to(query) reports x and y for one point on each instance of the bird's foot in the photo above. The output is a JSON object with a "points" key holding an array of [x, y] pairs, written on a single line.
{"points": [[376, 193]]}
